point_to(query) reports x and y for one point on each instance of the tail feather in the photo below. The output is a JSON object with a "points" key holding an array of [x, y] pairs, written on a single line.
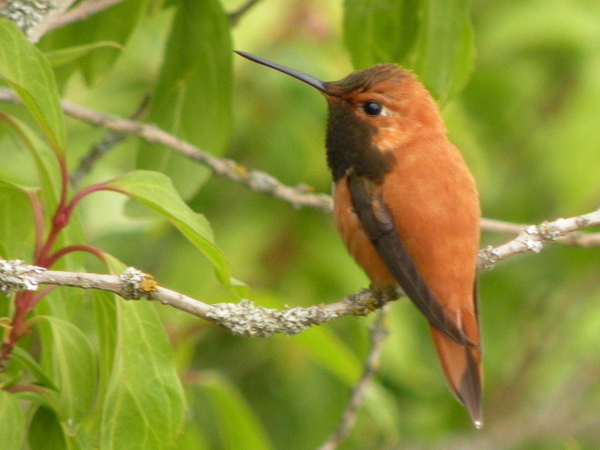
{"points": [[462, 366]]}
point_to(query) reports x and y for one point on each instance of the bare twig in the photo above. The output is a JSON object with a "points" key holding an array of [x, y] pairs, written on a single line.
{"points": [[34, 17], [378, 333], [235, 16], [534, 237], [110, 140], [81, 12]]}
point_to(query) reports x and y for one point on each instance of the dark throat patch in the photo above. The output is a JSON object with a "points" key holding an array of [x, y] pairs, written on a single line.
{"points": [[349, 145]]}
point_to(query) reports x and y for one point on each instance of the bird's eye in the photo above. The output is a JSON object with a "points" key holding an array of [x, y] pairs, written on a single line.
{"points": [[372, 108]]}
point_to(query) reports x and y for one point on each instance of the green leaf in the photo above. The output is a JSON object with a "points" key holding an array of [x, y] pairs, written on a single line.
{"points": [[27, 361], [444, 48], [193, 97], [432, 37], [12, 418], [379, 31], [322, 345], [45, 431], [46, 163], [114, 24], [68, 356], [239, 427], [156, 191], [329, 351], [64, 56], [144, 403], [16, 221], [28, 72]]}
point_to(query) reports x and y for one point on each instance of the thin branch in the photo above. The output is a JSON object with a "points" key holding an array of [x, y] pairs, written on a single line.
{"points": [[246, 319], [301, 196], [108, 142], [256, 180], [243, 318], [379, 332], [235, 16], [534, 237], [34, 17], [81, 12]]}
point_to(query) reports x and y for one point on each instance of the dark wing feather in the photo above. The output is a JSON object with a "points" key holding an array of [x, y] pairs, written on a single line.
{"points": [[378, 223]]}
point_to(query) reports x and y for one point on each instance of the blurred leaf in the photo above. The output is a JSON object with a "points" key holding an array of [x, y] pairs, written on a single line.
{"points": [[144, 403], [156, 191], [432, 37], [444, 49], [63, 56], [68, 356], [12, 418], [47, 166], [192, 438], [27, 361], [193, 97], [323, 346], [16, 221], [28, 72], [329, 351], [45, 431], [114, 24], [239, 427], [388, 29]]}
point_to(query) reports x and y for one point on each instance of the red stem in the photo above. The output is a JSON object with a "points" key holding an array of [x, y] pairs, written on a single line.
{"points": [[60, 221], [25, 301], [75, 248]]}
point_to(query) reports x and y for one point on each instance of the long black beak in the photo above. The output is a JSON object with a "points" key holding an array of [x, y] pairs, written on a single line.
{"points": [[308, 79]]}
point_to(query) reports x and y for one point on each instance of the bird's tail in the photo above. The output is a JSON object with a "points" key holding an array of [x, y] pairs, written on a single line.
{"points": [[462, 365]]}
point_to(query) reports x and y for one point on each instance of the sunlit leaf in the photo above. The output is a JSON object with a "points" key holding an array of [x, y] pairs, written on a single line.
{"points": [[144, 402], [16, 221], [63, 56], [156, 191], [28, 72]]}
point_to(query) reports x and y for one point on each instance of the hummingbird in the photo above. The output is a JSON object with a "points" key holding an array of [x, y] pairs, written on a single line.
{"points": [[407, 207]]}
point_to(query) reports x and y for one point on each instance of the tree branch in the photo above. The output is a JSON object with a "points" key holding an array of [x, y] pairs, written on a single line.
{"points": [[81, 12], [108, 142], [235, 16], [301, 196], [34, 17], [243, 318], [248, 320], [379, 332], [534, 237]]}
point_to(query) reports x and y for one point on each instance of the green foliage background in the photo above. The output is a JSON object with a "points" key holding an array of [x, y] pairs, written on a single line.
{"points": [[521, 89]]}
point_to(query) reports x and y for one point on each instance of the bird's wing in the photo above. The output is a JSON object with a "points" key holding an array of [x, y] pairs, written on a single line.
{"points": [[378, 223]]}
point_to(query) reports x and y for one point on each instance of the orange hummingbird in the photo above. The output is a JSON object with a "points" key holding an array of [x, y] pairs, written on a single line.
{"points": [[407, 207]]}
